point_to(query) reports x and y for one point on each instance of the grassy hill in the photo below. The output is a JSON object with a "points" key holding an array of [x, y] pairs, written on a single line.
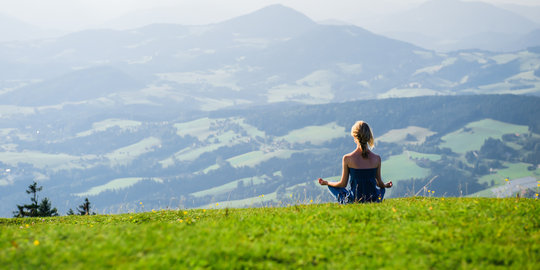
{"points": [[413, 233]]}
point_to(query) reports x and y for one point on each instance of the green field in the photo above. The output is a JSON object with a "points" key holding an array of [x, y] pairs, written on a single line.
{"points": [[211, 136], [513, 171], [231, 186], [315, 88], [399, 135], [253, 158], [416, 155], [263, 199], [190, 154], [409, 92], [268, 199], [316, 135], [44, 160], [407, 233], [400, 167], [203, 128], [126, 155], [473, 137], [116, 184], [109, 123]]}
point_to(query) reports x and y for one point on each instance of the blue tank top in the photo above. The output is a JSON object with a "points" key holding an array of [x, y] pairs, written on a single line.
{"points": [[363, 184]]}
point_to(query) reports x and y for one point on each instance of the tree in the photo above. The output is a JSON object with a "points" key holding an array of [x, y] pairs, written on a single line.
{"points": [[70, 212], [410, 138], [34, 209], [496, 149], [20, 211], [29, 210], [45, 209], [84, 209]]}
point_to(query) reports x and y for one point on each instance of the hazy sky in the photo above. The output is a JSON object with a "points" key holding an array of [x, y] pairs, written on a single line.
{"points": [[77, 14]]}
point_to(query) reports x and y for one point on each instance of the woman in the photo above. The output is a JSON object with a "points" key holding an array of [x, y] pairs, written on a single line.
{"points": [[364, 168]]}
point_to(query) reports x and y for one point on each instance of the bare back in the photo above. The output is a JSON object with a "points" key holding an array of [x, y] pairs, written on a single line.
{"points": [[356, 161]]}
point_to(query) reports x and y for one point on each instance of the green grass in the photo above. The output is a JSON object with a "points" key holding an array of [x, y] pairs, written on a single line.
{"points": [[315, 88], [400, 167], [126, 155], [408, 233], [268, 199], [109, 123], [399, 135], [432, 157], [206, 130], [462, 141], [253, 158], [250, 130], [408, 92], [316, 135], [116, 184], [513, 171], [44, 160], [231, 186], [199, 128], [190, 154], [203, 128]]}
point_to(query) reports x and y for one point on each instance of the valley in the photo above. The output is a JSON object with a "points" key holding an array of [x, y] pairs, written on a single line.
{"points": [[272, 155]]}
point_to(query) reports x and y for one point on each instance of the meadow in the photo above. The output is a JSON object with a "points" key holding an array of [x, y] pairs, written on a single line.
{"points": [[476, 133], [410, 233]]}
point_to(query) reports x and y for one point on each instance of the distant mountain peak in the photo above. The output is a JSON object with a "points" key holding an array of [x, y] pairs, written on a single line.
{"points": [[273, 20], [279, 10]]}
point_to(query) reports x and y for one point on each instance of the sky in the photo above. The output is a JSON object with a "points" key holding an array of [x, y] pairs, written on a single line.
{"points": [[70, 15]]}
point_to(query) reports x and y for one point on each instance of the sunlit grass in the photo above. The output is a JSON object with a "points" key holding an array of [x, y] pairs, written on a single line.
{"points": [[408, 233]]}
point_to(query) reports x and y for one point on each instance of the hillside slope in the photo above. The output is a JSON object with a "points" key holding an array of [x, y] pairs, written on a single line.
{"points": [[412, 233]]}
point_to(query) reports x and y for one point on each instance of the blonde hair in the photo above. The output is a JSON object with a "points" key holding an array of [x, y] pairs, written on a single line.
{"points": [[363, 136]]}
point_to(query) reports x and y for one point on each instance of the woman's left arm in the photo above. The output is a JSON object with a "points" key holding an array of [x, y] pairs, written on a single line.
{"points": [[380, 183]]}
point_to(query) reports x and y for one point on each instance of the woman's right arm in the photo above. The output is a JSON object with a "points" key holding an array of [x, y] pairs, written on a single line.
{"points": [[344, 176]]}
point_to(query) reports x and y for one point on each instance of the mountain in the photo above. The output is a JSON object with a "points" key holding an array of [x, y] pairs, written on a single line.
{"points": [[527, 11], [242, 60], [12, 29], [286, 23], [257, 59], [447, 22], [80, 85], [531, 39]]}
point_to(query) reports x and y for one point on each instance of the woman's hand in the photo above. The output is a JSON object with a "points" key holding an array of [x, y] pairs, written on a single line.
{"points": [[323, 182], [388, 185]]}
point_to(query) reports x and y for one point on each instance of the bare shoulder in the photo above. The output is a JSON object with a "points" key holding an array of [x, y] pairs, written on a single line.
{"points": [[376, 157], [347, 157]]}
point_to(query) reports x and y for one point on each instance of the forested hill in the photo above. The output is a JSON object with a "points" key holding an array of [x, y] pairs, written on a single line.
{"points": [[439, 113], [119, 157]]}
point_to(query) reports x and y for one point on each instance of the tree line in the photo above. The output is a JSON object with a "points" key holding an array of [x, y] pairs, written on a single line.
{"points": [[44, 208]]}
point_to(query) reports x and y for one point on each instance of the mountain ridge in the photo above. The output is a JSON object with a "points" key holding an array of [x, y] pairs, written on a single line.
{"points": [[447, 22]]}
